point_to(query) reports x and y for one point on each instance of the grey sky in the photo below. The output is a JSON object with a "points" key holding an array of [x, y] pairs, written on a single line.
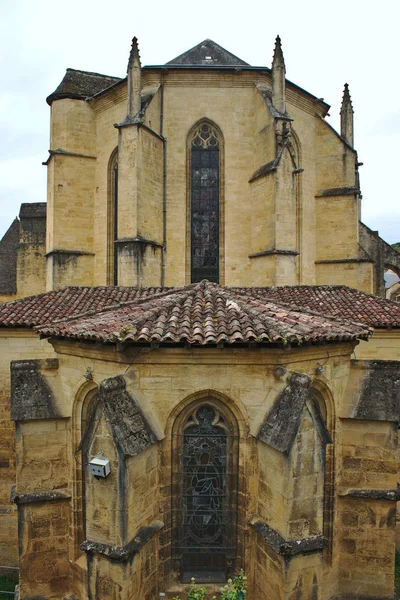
{"points": [[325, 45]]}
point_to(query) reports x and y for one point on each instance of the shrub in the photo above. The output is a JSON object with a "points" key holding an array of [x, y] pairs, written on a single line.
{"points": [[235, 589]]}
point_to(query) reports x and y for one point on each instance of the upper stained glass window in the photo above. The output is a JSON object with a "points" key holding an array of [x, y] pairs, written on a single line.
{"points": [[204, 203]]}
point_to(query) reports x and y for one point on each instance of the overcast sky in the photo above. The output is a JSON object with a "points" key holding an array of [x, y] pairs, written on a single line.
{"points": [[325, 45]]}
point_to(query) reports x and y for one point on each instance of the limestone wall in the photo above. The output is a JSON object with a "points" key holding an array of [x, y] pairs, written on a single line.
{"points": [[19, 344], [282, 490]]}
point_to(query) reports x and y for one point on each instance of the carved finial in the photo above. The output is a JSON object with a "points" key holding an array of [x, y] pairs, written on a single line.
{"points": [[134, 57], [346, 117], [346, 101], [278, 78], [134, 81], [278, 60]]}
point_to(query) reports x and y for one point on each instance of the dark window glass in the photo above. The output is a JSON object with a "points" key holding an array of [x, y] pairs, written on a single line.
{"points": [[206, 506], [204, 202]]}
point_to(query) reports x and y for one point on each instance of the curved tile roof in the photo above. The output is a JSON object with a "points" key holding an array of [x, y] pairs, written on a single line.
{"points": [[337, 301], [205, 314]]}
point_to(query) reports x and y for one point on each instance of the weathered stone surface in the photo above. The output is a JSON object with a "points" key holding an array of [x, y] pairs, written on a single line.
{"points": [[31, 395], [288, 548], [280, 428], [32, 497], [130, 430], [379, 396], [124, 553], [390, 495]]}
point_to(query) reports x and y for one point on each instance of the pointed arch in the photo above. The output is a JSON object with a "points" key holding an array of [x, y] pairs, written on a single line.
{"points": [[85, 399], [112, 218], [205, 203], [205, 456], [323, 398]]}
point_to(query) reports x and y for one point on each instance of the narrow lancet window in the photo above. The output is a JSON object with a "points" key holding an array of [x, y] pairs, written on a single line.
{"points": [[112, 221], [205, 203]]}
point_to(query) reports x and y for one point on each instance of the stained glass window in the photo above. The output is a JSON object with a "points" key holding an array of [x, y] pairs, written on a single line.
{"points": [[206, 510], [204, 203]]}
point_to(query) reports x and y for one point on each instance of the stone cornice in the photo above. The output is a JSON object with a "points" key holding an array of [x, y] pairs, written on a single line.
{"points": [[124, 553], [369, 494], [66, 153], [274, 252], [288, 548], [42, 496]]}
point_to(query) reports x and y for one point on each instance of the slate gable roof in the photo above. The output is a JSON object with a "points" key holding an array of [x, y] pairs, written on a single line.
{"points": [[205, 314], [80, 85], [208, 53], [338, 301]]}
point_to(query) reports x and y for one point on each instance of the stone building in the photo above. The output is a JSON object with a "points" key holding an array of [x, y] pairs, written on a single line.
{"points": [[212, 333]]}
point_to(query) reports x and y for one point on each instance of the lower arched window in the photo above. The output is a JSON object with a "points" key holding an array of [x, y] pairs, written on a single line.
{"points": [[205, 493]]}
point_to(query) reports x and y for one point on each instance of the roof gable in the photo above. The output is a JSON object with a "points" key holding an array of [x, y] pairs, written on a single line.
{"points": [[208, 53]]}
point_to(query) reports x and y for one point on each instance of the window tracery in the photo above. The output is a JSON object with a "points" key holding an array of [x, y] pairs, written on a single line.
{"points": [[206, 495], [205, 203]]}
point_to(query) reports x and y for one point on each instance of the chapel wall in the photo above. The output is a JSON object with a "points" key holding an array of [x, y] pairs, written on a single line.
{"points": [[233, 102], [70, 194], [20, 344], [106, 143], [248, 382]]}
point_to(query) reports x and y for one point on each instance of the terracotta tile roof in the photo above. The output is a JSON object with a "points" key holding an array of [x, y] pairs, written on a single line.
{"points": [[336, 300], [66, 302], [205, 313]]}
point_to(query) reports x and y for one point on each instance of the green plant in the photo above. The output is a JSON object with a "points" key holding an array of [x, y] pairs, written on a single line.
{"points": [[397, 571], [235, 589], [8, 581]]}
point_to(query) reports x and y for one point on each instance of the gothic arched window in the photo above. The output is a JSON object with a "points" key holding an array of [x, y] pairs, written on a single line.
{"points": [[112, 220], [205, 143], [205, 493]]}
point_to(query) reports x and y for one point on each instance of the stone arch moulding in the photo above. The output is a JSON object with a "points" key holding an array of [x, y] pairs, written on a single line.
{"points": [[215, 134], [321, 393], [323, 390], [234, 405], [85, 398], [230, 417], [295, 149], [205, 456], [392, 267], [112, 217]]}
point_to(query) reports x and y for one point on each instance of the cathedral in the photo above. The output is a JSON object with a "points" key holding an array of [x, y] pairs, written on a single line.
{"points": [[200, 372]]}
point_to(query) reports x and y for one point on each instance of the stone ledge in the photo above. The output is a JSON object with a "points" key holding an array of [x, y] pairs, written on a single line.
{"points": [[69, 252], [45, 496], [124, 553], [138, 240], [264, 170], [274, 251], [388, 495], [339, 191], [66, 153], [288, 548], [357, 597], [343, 261]]}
